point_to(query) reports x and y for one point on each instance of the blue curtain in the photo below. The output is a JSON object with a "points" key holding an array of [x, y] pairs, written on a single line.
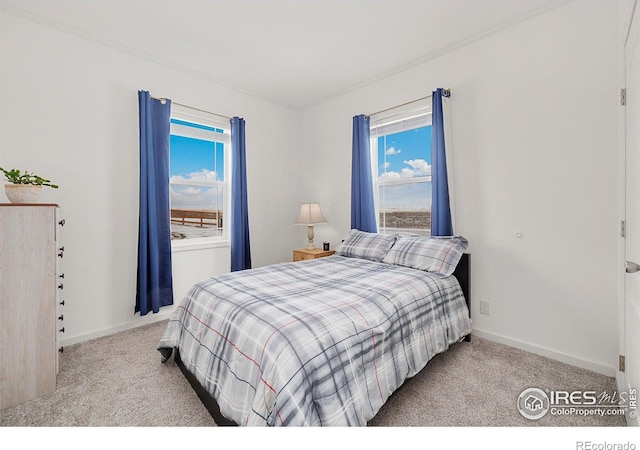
{"points": [[441, 224], [240, 248], [154, 280], [363, 211]]}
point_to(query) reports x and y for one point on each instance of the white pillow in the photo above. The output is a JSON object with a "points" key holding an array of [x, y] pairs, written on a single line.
{"points": [[432, 254], [361, 244]]}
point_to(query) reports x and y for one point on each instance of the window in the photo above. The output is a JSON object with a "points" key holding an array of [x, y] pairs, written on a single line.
{"points": [[401, 159], [198, 170]]}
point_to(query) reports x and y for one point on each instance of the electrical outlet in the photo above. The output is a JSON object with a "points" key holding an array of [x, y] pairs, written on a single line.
{"points": [[485, 307]]}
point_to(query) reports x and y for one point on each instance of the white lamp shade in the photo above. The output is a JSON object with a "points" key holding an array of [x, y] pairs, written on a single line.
{"points": [[310, 213]]}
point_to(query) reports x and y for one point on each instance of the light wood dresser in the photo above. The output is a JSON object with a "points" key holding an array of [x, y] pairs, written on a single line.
{"points": [[30, 291]]}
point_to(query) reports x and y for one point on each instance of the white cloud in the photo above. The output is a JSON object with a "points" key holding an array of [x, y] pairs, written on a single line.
{"points": [[389, 176], [192, 191], [407, 173], [204, 175], [419, 167], [392, 151], [195, 197], [385, 165]]}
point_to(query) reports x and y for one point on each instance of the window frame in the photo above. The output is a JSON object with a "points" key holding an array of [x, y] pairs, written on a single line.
{"points": [[402, 118], [202, 118]]}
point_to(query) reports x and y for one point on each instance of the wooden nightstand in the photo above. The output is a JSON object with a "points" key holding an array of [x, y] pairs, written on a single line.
{"points": [[300, 254]]}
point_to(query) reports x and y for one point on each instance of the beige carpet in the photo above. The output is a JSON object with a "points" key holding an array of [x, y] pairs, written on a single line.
{"points": [[119, 381]]}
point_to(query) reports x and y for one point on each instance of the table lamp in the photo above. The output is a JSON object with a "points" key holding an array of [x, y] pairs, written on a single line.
{"points": [[309, 215]]}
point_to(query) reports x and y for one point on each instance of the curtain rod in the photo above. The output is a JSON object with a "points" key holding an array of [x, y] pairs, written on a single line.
{"points": [[445, 92], [163, 99]]}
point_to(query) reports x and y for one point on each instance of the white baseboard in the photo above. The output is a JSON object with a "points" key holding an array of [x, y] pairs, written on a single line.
{"points": [[585, 363], [136, 321]]}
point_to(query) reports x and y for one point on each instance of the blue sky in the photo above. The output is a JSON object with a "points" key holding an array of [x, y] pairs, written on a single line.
{"points": [[195, 160], [191, 158], [405, 155], [400, 156]]}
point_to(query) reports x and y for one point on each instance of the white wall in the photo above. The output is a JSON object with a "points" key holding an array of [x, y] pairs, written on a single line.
{"points": [[534, 111], [534, 120], [69, 111]]}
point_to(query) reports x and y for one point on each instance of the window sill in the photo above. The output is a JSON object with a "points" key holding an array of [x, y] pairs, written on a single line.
{"points": [[188, 245]]}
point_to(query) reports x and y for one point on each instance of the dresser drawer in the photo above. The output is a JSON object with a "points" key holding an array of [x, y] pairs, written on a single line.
{"points": [[298, 256], [303, 253]]}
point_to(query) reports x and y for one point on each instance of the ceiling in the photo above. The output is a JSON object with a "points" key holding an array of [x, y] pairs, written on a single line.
{"points": [[296, 53]]}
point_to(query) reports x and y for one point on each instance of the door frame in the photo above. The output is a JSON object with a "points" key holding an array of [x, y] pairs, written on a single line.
{"points": [[628, 12]]}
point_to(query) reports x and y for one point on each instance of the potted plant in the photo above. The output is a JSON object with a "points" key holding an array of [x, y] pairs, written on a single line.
{"points": [[24, 187]]}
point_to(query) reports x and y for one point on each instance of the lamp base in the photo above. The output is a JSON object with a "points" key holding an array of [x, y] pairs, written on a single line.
{"points": [[310, 245]]}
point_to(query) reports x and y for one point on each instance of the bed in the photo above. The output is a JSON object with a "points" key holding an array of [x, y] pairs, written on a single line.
{"points": [[321, 342]]}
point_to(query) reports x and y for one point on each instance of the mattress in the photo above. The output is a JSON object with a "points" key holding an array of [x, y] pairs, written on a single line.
{"points": [[321, 342]]}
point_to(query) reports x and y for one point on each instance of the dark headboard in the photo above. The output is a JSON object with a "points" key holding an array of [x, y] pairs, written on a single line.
{"points": [[463, 274]]}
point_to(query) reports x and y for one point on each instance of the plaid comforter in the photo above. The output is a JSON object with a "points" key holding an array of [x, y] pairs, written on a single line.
{"points": [[316, 342]]}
